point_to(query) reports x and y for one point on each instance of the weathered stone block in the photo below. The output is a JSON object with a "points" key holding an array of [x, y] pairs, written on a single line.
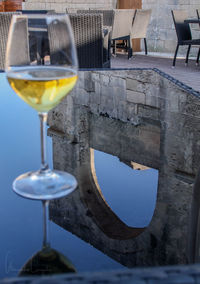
{"points": [[133, 85], [135, 97]]}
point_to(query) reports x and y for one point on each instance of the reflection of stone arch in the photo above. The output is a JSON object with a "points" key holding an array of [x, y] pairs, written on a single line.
{"points": [[85, 213], [154, 138], [104, 217]]}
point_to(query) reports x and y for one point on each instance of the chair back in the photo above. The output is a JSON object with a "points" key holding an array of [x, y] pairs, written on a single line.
{"points": [[198, 15], [122, 23], [140, 23], [108, 15], [21, 47], [182, 29], [88, 35]]}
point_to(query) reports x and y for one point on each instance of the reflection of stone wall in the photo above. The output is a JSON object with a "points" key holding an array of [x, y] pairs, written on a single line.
{"points": [[146, 100], [71, 5]]}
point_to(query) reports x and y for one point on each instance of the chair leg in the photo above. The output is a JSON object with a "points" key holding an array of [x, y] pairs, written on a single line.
{"points": [[175, 54], [130, 51], [145, 45], [188, 52], [114, 47], [198, 55]]}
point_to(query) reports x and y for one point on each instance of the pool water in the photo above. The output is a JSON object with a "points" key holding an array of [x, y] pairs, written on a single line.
{"points": [[21, 219]]}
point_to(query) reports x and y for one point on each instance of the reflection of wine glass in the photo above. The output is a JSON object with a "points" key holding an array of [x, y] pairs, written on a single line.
{"points": [[47, 260], [41, 67]]}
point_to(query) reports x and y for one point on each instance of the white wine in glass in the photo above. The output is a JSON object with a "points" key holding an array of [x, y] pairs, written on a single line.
{"points": [[41, 67]]}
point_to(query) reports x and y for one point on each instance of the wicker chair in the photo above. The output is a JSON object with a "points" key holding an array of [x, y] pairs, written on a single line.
{"points": [[122, 24], [108, 15], [22, 46], [183, 32], [89, 40]]}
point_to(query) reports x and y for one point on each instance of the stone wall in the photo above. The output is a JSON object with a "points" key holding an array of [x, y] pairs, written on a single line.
{"points": [[161, 33], [71, 5]]}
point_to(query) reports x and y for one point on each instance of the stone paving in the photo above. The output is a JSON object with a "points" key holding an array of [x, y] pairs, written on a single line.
{"points": [[189, 75]]}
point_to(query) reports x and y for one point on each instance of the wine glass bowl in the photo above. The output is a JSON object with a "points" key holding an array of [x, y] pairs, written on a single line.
{"points": [[42, 73]]}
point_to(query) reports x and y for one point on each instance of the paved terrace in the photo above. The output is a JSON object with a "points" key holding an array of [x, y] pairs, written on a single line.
{"points": [[189, 75]]}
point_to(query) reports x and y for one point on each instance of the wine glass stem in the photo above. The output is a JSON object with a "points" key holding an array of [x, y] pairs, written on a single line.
{"points": [[46, 242], [43, 121]]}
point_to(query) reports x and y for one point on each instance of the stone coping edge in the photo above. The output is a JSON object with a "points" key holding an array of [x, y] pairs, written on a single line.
{"points": [[163, 74], [182, 274]]}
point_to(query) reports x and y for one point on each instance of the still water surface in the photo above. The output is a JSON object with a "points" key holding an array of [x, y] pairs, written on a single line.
{"points": [[21, 219]]}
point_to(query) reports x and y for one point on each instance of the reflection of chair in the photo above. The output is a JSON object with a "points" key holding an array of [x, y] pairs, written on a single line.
{"points": [[183, 33], [122, 23], [140, 24], [21, 48]]}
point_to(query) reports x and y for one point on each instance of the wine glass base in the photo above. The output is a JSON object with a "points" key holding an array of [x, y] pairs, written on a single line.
{"points": [[46, 185]]}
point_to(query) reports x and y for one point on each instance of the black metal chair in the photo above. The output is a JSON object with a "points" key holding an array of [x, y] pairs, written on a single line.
{"points": [[198, 16], [183, 32]]}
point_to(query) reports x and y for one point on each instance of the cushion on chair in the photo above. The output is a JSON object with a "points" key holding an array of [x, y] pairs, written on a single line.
{"points": [[122, 23], [140, 23]]}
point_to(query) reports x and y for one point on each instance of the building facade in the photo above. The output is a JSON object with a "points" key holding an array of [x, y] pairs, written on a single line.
{"points": [[70, 5]]}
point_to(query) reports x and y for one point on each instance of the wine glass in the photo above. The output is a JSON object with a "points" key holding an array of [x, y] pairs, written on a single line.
{"points": [[41, 67]]}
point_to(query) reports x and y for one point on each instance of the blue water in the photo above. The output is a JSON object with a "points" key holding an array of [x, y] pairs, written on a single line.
{"points": [[21, 219]]}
